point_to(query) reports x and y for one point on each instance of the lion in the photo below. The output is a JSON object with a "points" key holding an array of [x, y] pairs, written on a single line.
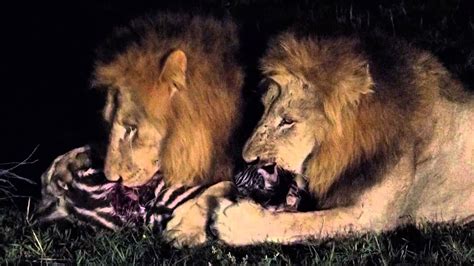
{"points": [[174, 102], [174, 98], [382, 132]]}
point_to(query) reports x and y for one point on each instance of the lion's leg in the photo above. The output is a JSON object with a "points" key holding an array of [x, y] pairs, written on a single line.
{"points": [[381, 207], [190, 220]]}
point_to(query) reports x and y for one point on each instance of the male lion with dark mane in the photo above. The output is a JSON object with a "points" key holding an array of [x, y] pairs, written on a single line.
{"points": [[381, 130]]}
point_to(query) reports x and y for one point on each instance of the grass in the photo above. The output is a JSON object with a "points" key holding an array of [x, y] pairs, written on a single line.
{"points": [[23, 242], [444, 27]]}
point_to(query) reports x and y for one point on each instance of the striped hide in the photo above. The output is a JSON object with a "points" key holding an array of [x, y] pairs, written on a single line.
{"points": [[73, 190]]}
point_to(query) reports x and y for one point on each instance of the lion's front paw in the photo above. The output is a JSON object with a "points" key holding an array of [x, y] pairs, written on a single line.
{"points": [[188, 225], [190, 220], [242, 223]]}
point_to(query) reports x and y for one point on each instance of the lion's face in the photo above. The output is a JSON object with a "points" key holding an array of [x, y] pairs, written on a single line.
{"points": [[137, 115], [285, 134], [134, 142]]}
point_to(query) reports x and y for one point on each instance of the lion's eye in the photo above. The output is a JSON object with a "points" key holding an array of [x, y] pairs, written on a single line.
{"points": [[130, 131], [286, 121]]}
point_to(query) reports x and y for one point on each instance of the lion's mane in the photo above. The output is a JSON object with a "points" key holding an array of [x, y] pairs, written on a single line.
{"points": [[375, 95], [205, 112]]}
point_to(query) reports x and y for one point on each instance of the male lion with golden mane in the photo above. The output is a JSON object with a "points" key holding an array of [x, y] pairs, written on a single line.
{"points": [[174, 100], [174, 89], [174, 96], [381, 130]]}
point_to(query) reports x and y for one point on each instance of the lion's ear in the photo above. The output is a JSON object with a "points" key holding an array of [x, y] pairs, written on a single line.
{"points": [[348, 92], [353, 87], [174, 68]]}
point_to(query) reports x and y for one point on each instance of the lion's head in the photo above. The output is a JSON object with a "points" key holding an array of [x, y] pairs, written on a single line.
{"points": [[172, 102], [282, 135], [320, 116], [137, 115]]}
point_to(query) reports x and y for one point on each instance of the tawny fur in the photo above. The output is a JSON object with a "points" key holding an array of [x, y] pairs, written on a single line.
{"points": [[386, 133], [180, 79], [363, 123]]}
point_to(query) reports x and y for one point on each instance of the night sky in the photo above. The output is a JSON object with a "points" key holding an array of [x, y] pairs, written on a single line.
{"points": [[46, 100]]}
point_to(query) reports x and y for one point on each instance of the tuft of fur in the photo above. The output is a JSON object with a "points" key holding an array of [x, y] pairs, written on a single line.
{"points": [[199, 115]]}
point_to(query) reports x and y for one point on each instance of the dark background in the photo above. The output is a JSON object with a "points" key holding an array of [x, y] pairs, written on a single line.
{"points": [[45, 98]]}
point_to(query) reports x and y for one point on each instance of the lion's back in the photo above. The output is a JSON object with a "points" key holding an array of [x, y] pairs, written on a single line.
{"points": [[441, 120]]}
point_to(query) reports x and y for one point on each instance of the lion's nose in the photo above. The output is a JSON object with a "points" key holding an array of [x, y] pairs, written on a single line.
{"points": [[251, 159], [111, 176]]}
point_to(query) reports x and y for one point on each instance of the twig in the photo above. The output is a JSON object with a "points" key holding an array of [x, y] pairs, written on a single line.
{"points": [[25, 161], [15, 176], [6, 177]]}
